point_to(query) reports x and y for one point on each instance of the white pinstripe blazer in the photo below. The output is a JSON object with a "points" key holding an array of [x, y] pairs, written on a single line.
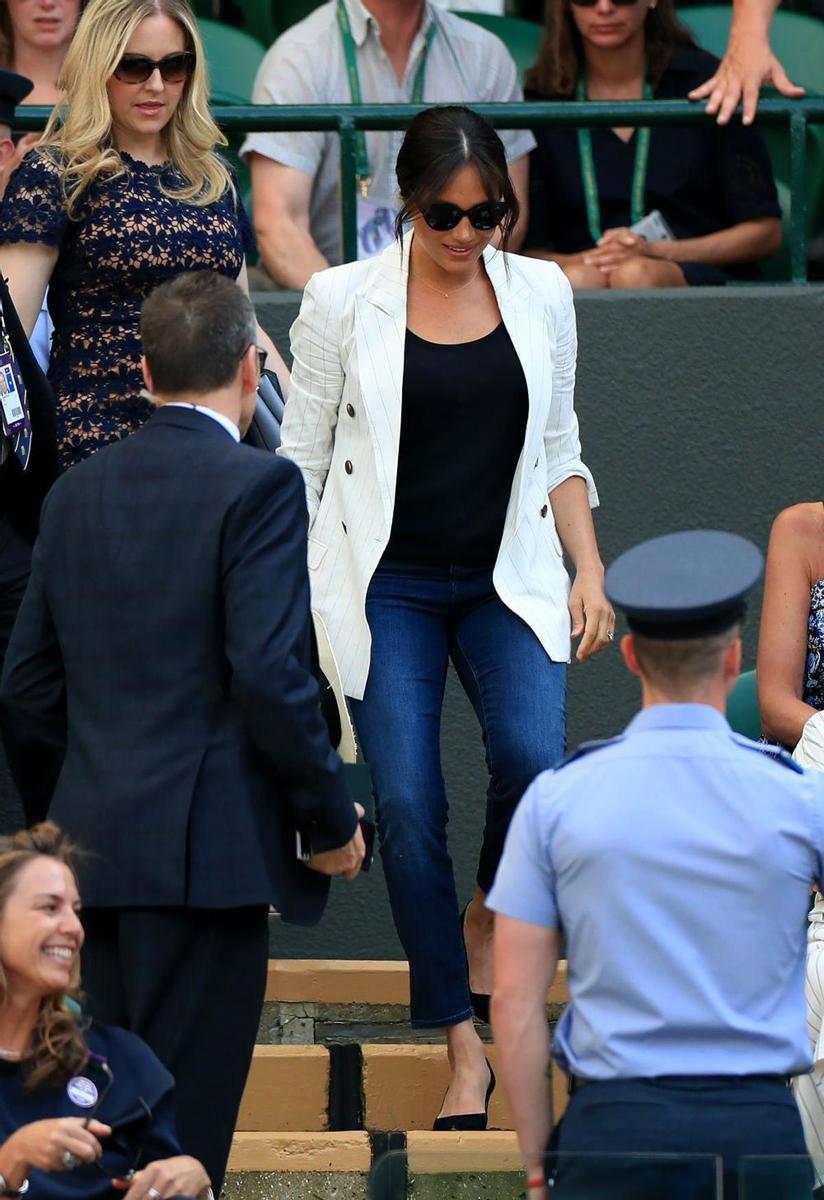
{"points": [[342, 428]]}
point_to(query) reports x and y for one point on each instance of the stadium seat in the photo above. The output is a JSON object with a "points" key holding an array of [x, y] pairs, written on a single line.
{"points": [[289, 12], [521, 38], [233, 57], [742, 707], [260, 19], [797, 40]]}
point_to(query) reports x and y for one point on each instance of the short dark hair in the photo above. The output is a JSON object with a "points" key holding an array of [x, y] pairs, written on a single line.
{"points": [[678, 666], [195, 329], [440, 141]]}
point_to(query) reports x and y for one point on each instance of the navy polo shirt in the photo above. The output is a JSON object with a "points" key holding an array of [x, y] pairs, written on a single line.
{"points": [[142, 1086]]}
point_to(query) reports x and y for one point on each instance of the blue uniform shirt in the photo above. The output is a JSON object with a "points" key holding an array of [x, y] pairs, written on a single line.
{"points": [[678, 861]]}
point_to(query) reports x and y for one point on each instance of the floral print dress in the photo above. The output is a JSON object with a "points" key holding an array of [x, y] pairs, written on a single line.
{"points": [[126, 238], [813, 693]]}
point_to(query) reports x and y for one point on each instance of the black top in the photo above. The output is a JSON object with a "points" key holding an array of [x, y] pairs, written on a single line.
{"points": [[462, 428], [702, 177], [139, 1107]]}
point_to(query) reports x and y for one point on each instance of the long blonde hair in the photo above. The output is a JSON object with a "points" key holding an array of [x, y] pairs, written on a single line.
{"points": [[78, 136], [58, 1046]]}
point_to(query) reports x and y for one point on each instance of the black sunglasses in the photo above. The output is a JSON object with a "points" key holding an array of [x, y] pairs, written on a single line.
{"points": [[485, 216], [137, 68], [118, 1148]]}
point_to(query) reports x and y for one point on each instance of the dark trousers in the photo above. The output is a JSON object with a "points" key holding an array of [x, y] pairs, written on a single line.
{"points": [[15, 565], [678, 1119], [191, 983]]}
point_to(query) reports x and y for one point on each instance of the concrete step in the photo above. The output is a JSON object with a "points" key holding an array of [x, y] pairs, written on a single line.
{"points": [[395, 1087], [324, 1001], [335, 1049], [440, 1166]]}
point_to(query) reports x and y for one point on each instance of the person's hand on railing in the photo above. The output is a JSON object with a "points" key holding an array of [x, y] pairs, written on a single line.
{"points": [[748, 64]]}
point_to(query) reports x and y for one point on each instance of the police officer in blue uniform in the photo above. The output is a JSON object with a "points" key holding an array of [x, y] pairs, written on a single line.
{"points": [[677, 859]]}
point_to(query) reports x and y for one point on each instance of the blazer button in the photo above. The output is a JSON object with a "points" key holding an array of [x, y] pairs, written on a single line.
{"points": [[350, 410], [544, 511], [348, 468]]}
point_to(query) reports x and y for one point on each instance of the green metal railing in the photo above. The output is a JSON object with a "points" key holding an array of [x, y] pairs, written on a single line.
{"points": [[348, 118]]}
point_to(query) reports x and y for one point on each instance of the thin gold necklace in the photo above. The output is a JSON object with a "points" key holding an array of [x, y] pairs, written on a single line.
{"points": [[454, 292]]}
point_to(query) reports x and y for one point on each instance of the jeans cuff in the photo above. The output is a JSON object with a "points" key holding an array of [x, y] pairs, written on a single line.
{"points": [[440, 1022]]}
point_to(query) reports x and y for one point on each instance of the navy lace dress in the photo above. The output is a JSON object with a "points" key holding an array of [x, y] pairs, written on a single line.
{"points": [[126, 238], [813, 693]]}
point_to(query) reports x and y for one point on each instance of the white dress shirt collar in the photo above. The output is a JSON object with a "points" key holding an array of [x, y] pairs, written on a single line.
{"points": [[228, 425]]}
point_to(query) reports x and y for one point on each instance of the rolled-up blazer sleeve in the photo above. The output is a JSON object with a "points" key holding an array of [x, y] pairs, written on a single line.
{"points": [[561, 441], [311, 412]]}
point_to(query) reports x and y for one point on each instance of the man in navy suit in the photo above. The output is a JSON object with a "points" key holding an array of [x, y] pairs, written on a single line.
{"points": [[159, 684]]}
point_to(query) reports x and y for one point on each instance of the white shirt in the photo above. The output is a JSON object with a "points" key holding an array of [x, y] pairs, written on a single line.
{"points": [[306, 65], [228, 425]]}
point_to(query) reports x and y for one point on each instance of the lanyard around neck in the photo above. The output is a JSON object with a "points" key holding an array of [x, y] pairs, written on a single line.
{"points": [[588, 177], [350, 54]]}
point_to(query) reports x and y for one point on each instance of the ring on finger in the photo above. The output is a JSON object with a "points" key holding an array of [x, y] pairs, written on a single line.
{"points": [[153, 1193], [68, 1160]]}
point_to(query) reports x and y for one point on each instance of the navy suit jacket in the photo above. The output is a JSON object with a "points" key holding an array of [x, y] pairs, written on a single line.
{"points": [[159, 676]]}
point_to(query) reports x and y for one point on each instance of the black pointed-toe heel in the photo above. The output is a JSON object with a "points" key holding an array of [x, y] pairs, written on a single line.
{"points": [[478, 1000], [468, 1122]]}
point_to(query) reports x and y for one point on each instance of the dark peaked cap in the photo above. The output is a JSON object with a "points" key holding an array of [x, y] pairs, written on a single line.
{"points": [[13, 89], [685, 585]]}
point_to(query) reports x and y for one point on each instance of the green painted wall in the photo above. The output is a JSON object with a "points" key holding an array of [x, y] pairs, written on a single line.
{"points": [[699, 408]]}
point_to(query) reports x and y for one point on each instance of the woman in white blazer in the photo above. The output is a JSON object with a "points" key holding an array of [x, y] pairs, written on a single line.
{"points": [[431, 412]]}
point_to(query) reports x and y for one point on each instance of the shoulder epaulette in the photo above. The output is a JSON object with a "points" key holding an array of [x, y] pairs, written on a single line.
{"points": [[588, 748], [776, 753]]}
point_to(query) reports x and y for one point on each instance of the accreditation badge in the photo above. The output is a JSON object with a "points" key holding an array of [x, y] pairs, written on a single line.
{"points": [[12, 396], [376, 226]]}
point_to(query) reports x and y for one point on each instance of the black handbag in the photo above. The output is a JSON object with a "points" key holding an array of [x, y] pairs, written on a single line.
{"points": [[264, 432]]}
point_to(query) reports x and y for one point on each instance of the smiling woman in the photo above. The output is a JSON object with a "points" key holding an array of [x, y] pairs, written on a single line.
{"points": [[81, 1105], [125, 191]]}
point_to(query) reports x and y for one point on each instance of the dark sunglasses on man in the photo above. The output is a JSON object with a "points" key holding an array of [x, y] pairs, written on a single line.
{"points": [[137, 68], [488, 215]]}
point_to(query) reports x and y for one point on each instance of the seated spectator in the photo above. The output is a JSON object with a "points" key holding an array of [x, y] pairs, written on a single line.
{"points": [[82, 1105], [791, 700], [791, 640], [378, 52], [34, 38], [626, 208]]}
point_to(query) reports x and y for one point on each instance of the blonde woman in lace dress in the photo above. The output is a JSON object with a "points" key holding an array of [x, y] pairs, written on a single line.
{"points": [[125, 191]]}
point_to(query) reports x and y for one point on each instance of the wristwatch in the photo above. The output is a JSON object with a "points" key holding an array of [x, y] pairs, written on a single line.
{"points": [[5, 1190]]}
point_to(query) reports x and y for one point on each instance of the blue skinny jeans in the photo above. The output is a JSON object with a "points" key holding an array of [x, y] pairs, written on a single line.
{"points": [[420, 618]]}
